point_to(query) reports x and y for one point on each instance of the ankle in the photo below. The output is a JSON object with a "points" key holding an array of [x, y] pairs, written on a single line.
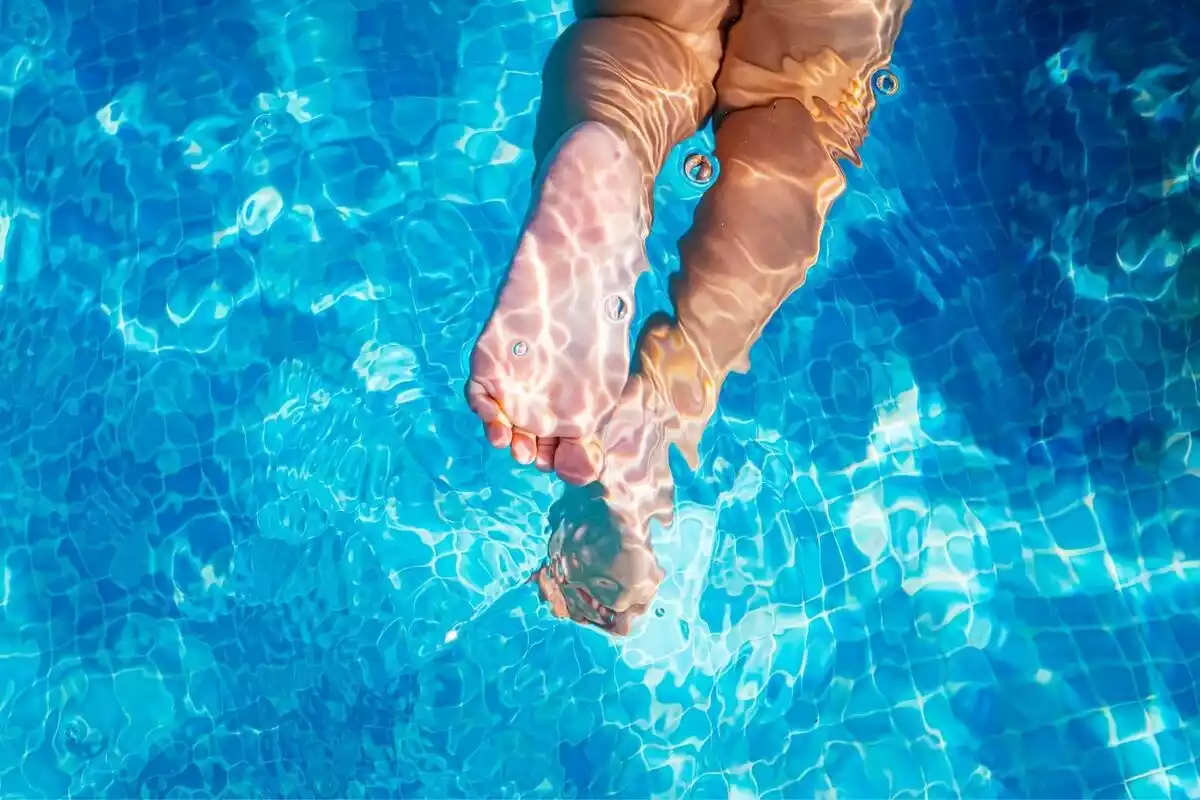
{"points": [[672, 361]]}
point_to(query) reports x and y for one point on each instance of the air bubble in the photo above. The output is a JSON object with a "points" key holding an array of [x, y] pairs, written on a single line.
{"points": [[260, 210], [75, 732], [264, 126], [79, 739], [29, 20], [887, 82], [520, 348], [615, 307], [698, 168]]}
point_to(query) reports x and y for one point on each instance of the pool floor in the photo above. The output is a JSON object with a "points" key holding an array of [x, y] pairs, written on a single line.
{"points": [[944, 540]]}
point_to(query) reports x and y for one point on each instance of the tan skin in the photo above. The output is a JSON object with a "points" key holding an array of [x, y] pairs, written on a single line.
{"points": [[789, 85]]}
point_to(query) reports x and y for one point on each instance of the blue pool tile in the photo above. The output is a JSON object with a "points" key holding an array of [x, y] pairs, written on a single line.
{"points": [[941, 537]]}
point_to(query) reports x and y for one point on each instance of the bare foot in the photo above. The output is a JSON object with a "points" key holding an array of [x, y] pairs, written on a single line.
{"points": [[601, 570], [551, 362]]}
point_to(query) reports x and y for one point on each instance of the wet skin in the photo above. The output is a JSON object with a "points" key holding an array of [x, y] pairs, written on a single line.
{"points": [[551, 363], [550, 375]]}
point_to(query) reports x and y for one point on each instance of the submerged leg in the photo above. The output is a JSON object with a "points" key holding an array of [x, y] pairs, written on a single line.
{"points": [[621, 88], [794, 97]]}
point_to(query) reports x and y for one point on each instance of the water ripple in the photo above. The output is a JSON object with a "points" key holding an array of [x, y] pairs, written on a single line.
{"points": [[942, 540]]}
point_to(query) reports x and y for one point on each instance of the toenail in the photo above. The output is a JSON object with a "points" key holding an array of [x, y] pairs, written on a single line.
{"points": [[615, 307], [520, 349]]}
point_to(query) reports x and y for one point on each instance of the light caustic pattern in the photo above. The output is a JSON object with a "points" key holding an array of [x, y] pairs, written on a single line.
{"points": [[554, 356], [941, 542]]}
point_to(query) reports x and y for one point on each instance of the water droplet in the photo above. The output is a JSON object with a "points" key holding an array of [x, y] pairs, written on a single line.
{"points": [[886, 82], [698, 168], [520, 349], [615, 307]]}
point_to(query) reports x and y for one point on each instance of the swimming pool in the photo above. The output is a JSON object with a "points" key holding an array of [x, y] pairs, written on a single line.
{"points": [[944, 540]]}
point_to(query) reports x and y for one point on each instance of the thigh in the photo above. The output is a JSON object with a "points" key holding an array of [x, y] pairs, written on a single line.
{"points": [[819, 52], [689, 16], [644, 67]]}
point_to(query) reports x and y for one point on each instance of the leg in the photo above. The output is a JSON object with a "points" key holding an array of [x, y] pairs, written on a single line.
{"points": [[622, 86], [793, 97], [643, 68]]}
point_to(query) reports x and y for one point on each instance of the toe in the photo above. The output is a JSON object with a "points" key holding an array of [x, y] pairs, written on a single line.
{"points": [[546, 447], [498, 435], [578, 461], [496, 425], [524, 446]]}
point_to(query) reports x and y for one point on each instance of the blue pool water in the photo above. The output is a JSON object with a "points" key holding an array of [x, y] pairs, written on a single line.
{"points": [[945, 539]]}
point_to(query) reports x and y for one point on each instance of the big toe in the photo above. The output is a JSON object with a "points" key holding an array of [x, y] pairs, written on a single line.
{"points": [[555, 352], [524, 447], [579, 461]]}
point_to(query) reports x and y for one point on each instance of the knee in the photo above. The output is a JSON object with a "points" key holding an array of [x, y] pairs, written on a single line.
{"points": [[643, 45], [632, 72], [689, 17]]}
